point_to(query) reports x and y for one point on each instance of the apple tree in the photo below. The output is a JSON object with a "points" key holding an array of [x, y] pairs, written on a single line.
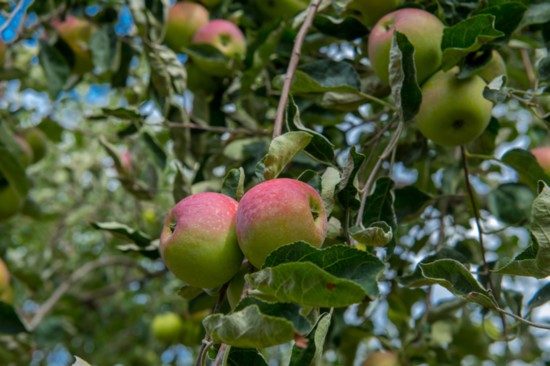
{"points": [[289, 182]]}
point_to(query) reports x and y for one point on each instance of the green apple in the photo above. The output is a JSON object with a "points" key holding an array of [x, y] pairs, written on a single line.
{"points": [[76, 33], [167, 327], [198, 241], [453, 111], [278, 212], [279, 9], [542, 154], [494, 68], [37, 141], [11, 202], [369, 11], [184, 19], [423, 30], [6, 291], [380, 358]]}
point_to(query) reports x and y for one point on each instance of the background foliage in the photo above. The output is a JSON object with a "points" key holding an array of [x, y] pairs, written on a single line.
{"points": [[83, 252]]}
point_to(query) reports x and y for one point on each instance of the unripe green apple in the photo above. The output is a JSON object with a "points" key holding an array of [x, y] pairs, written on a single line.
{"points": [[453, 111], [284, 9], [37, 141], [167, 327], [423, 30], [369, 11], [542, 154], [76, 33], [198, 241], [494, 68], [184, 19], [278, 212], [6, 292], [11, 202], [381, 358]]}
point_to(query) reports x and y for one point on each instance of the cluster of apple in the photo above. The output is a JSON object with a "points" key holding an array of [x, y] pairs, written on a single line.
{"points": [[206, 235], [30, 147]]}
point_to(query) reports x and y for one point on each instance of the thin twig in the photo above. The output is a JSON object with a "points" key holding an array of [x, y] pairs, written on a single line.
{"points": [[75, 277], [292, 66], [480, 234], [523, 320], [217, 129]]}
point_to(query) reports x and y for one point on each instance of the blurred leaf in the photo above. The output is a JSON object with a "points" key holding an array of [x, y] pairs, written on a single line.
{"points": [[410, 202], [349, 28], [467, 36], [105, 48], [543, 68], [378, 234], [149, 17], [405, 90], [511, 202], [508, 16], [168, 75], [249, 328], [527, 166], [211, 59], [124, 231], [525, 264], [233, 183], [456, 278], [55, 67], [245, 356], [124, 113], [154, 146], [540, 298], [80, 362], [537, 13], [316, 341], [320, 147], [281, 151], [10, 322]]}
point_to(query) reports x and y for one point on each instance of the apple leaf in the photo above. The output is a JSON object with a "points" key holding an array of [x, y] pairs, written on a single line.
{"points": [[79, 362], [233, 183], [141, 242], [405, 90], [508, 16], [10, 322], [153, 145], [329, 182], [511, 202], [320, 147], [347, 191], [540, 226], [410, 202], [378, 234], [281, 151], [525, 264], [11, 167], [105, 48], [536, 14], [248, 328], [529, 170], [209, 57], [168, 76], [455, 277], [245, 356], [467, 36], [288, 311], [55, 67], [379, 206], [541, 297], [348, 28], [313, 350], [149, 18]]}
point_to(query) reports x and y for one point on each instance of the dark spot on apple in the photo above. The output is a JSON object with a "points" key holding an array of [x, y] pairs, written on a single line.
{"points": [[330, 286], [457, 124]]}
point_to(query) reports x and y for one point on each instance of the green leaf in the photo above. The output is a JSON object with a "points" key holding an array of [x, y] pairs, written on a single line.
{"points": [[105, 48], [410, 202], [316, 340], [525, 264], [455, 277], [540, 226], [55, 67], [288, 311], [540, 298], [536, 14], [168, 76], [529, 170], [10, 322], [348, 28], [378, 234], [416, 279], [149, 17], [11, 166], [329, 182], [233, 183], [281, 151], [467, 36], [249, 328], [134, 235], [511, 202], [379, 206], [154, 146], [320, 147], [211, 59], [347, 191], [245, 356], [405, 90], [508, 16]]}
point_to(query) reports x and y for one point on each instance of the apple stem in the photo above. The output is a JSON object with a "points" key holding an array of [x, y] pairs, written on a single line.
{"points": [[293, 65]]}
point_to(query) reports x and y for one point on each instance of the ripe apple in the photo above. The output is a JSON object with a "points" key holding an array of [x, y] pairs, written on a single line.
{"points": [[184, 19], [11, 202], [494, 68], [223, 35], [277, 9], [37, 141], [76, 33], [422, 29], [6, 292], [381, 358], [278, 212], [198, 241], [369, 11], [542, 154], [453, 111], [167, 327]]}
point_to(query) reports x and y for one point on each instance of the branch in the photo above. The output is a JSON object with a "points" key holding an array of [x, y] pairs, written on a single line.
{"points": [[75, 277], [523, 320], [292, 65], [217, 129]]}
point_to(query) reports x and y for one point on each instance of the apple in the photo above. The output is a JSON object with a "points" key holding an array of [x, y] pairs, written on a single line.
{"points": [[11, 202], [277, 9], [37, 141], [6, 291], [198, 242], [422, 29], [223, 35], [278, 212], [184, 19], [542, 154], [76, 33], [453, 111], [494, 68], [381, 358], [167, 327], [369, 11]]}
